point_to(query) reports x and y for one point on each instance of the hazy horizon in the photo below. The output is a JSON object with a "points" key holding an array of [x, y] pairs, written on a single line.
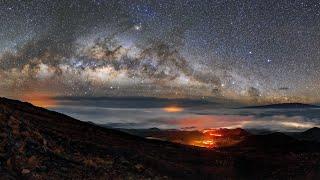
{"points": [[144, 112]]}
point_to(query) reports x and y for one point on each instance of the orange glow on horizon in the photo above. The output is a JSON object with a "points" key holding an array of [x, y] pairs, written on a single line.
{"points": [[41, 99], [173, 109]]}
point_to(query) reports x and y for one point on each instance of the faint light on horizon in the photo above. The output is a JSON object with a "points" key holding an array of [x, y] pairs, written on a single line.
{"points": [[173, 109], [41, 99], [298, 125]]}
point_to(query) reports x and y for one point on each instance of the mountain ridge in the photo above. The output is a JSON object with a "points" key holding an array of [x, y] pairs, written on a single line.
{"points": [[282, 106]]}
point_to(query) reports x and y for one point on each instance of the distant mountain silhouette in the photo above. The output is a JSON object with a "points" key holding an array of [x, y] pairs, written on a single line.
{"points": [[283, 106], [36, 143], [268, 140], [312, 134]]}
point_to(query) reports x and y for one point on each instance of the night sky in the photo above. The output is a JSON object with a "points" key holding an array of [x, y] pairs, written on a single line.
{"points": [[243, 50]]}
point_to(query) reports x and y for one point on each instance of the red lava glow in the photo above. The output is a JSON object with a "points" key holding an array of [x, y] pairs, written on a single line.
{"points": [[41, 99], [211, 132], [208, 140], [216, 135], [207, 143], [173, 109], [211, 128], [203, 143]]}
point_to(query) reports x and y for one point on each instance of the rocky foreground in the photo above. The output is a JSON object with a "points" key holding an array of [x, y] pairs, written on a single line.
{"points": [[39, 144]]}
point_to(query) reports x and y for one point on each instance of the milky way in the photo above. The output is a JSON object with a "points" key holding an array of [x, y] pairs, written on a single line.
{"points": [[253, 51]]}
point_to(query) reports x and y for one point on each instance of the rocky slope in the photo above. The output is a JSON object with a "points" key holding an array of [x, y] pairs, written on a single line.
{"points": [[39, 144]]}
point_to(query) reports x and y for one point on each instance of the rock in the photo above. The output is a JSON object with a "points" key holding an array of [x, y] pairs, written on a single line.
{"points": [[43, 168], [124, 161], [25, 171], [139, 167]]}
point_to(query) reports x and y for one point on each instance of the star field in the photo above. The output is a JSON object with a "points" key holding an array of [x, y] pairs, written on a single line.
{"points": [[252, 51]]}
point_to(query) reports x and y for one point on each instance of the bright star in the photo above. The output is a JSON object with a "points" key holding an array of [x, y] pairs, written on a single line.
{"points": [[138, 27]]}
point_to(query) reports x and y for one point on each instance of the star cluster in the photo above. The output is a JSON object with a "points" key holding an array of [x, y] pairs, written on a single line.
{"points": [[255, 51]]}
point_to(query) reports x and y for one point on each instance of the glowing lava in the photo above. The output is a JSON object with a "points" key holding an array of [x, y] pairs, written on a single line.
{"points": [[208, 143], [211, 132], [204, 143], [173, 109], [214, 134], [209, 139]]}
